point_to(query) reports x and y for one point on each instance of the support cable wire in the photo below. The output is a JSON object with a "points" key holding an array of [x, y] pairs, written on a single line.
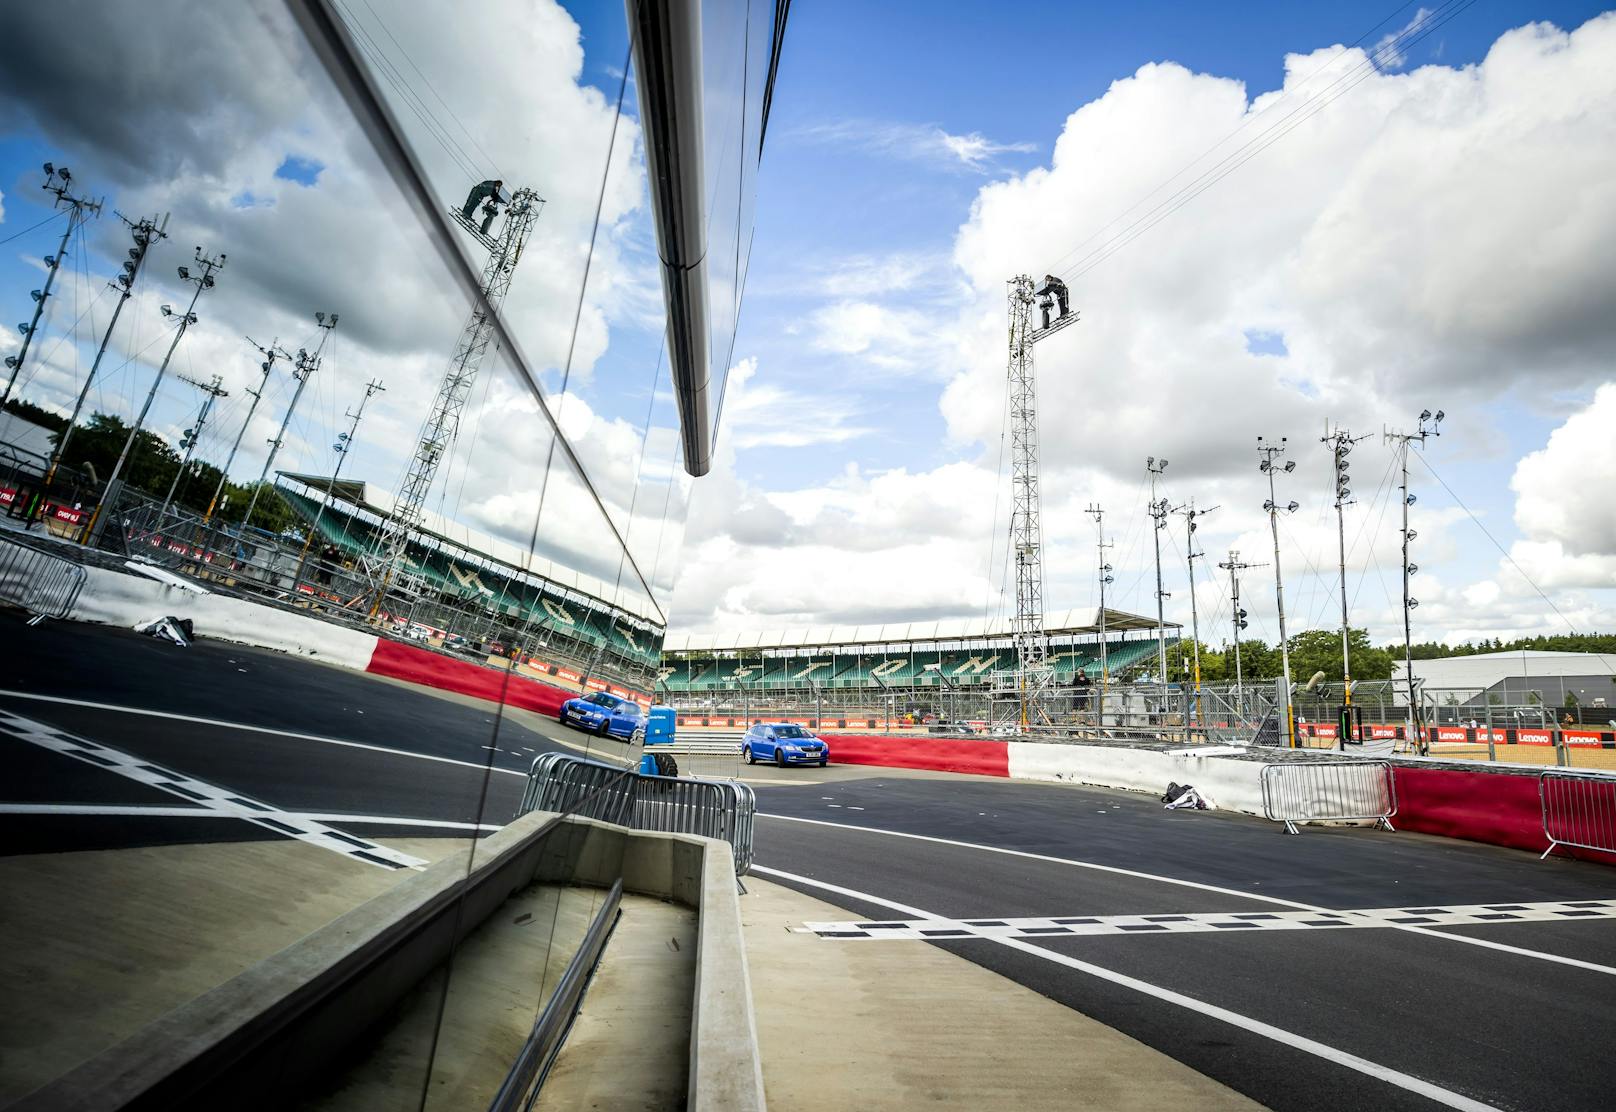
{"points": [[1488, 534], [1257, 144]]}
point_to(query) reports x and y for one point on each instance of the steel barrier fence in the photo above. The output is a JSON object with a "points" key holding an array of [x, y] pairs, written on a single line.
{"points": [[1329, 791], [723, 809], [1579, 810], [40, 582]]}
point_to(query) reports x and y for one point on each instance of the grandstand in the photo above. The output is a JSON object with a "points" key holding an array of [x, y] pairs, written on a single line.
{"points": [[484, 588], [884, 665]]}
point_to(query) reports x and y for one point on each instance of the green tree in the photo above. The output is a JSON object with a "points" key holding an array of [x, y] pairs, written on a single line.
{"points": [[1570, 698], [1319, 650]]}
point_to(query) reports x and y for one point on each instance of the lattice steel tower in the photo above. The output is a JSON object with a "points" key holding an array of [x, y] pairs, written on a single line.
{"points": [[1026, 534], [442, 424]]}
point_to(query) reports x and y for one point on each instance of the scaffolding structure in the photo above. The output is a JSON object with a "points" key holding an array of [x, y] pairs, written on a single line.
{"points": [[387, 564], [1026, 531]]}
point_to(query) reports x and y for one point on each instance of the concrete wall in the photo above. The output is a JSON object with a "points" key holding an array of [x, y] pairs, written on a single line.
{"points": [[1229, 784]]}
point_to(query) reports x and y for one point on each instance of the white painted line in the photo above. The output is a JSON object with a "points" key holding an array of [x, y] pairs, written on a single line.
{"points": [[1445, 1097], [1467, 940], [171, 716], [1213, 922], [139, 811], [211, 796]]}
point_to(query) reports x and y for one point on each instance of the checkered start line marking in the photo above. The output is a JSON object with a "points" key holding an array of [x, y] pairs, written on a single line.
{"points": [[209, 797], [1206, 922]]}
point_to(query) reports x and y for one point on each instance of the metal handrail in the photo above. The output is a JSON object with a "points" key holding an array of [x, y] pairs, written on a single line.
{"points": [[40, 582], [1329, 791], [723, 809], [1579, 809]]}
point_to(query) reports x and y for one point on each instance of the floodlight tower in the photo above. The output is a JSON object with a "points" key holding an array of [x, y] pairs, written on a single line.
{"points": [[1234, 567], [214, 391], [1158, 512], [79, 211], [1341, 442], [1026, 533], [1106, 577], [1429, 425], [1269, 451], [1190, 514], [442, 423]]}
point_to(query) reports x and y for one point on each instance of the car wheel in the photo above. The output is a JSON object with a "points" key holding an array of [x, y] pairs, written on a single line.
{"points": [[746, 755], [779, 756], [824, 762], [604, 728]]}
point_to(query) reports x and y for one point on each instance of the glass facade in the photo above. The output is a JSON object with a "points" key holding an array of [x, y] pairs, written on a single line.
{"points": [[433, 227]]}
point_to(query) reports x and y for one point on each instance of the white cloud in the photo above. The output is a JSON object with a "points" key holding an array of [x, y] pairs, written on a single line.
{"points": [[1433, 238], [1563, 490], [917, 142]]}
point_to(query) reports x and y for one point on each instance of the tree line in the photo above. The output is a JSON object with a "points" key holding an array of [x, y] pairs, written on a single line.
{"points": [[93, 452]]}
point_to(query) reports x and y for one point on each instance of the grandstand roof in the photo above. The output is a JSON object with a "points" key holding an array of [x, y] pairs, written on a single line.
{"points": [[380, 502], [1059, 624]]}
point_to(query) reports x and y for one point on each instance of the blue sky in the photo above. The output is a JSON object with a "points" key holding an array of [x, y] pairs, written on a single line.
{"points": [[1390, 253]]}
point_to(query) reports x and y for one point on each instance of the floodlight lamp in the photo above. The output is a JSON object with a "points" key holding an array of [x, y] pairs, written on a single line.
{"points": [[1264, 465], [1439, 416], [1413, 498], [1163, 465], [264, 367], [1412, 533], [50, 170], [1346, 492], [319, 318], [1413, 569], [185, 272], [1293, 507], [11, 361], [1425, 414], [65, 175], [1268, 504], [1413, 602], [50, 260], [207, 281], [134, 252], [24, 328], [167, 310], [1341, 465], [37, 295], [129, 266], [1290, 465], [333, 320], [1244, 614], [125, 281]]}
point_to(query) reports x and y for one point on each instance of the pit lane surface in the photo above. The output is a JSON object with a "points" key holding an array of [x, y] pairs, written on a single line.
{"points": [[1408, 1016]]}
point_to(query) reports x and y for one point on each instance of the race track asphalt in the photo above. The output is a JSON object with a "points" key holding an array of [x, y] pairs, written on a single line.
{"points": [[1507, 1030]]}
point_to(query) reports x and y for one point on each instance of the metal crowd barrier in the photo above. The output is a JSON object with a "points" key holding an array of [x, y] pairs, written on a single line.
{"points": [[42, 583], [723, 809], [1329, 791], [1579, 810]]}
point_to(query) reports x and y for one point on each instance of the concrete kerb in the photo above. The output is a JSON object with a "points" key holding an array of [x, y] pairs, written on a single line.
{"points": [[726, 1067], [285, 1019]]}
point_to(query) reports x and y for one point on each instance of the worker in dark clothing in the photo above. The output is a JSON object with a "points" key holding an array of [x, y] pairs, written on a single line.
{"points": [[484, 191], [1054, 290]]}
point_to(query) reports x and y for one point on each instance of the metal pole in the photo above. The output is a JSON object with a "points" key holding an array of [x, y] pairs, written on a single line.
{"points": [[1105, 577], [1190, 514], [75, 219], [270, 353], [193, 434], [306, 366], [342, 446], [1158, 512], [1409, 602], [1269, 452], [143, 232], [1234, 589], [203, 281]]}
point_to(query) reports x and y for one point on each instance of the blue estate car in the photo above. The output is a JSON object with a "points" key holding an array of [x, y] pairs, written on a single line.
{"points": [[603, 714], [783, 743]]}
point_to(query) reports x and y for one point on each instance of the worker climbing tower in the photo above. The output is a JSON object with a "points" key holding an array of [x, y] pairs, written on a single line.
{"points": [[1026, 535], [386, 563]]}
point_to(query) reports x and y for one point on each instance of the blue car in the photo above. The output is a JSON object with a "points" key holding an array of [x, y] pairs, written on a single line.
{"points": [[784, 744], [600, 713]]}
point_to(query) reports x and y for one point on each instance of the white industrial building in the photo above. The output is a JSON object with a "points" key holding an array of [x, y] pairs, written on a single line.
{"points": [[1513, 674]]}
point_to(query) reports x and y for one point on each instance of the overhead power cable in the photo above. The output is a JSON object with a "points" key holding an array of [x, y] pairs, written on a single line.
{"points": [[1254, 146]]}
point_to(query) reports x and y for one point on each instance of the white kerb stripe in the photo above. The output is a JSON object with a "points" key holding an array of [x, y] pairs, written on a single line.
{"points": [[1463, 939], [1445, 1097]]}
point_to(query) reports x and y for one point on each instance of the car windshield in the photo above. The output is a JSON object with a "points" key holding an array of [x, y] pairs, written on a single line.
{"points": [[603, 699], [790, 731]]}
